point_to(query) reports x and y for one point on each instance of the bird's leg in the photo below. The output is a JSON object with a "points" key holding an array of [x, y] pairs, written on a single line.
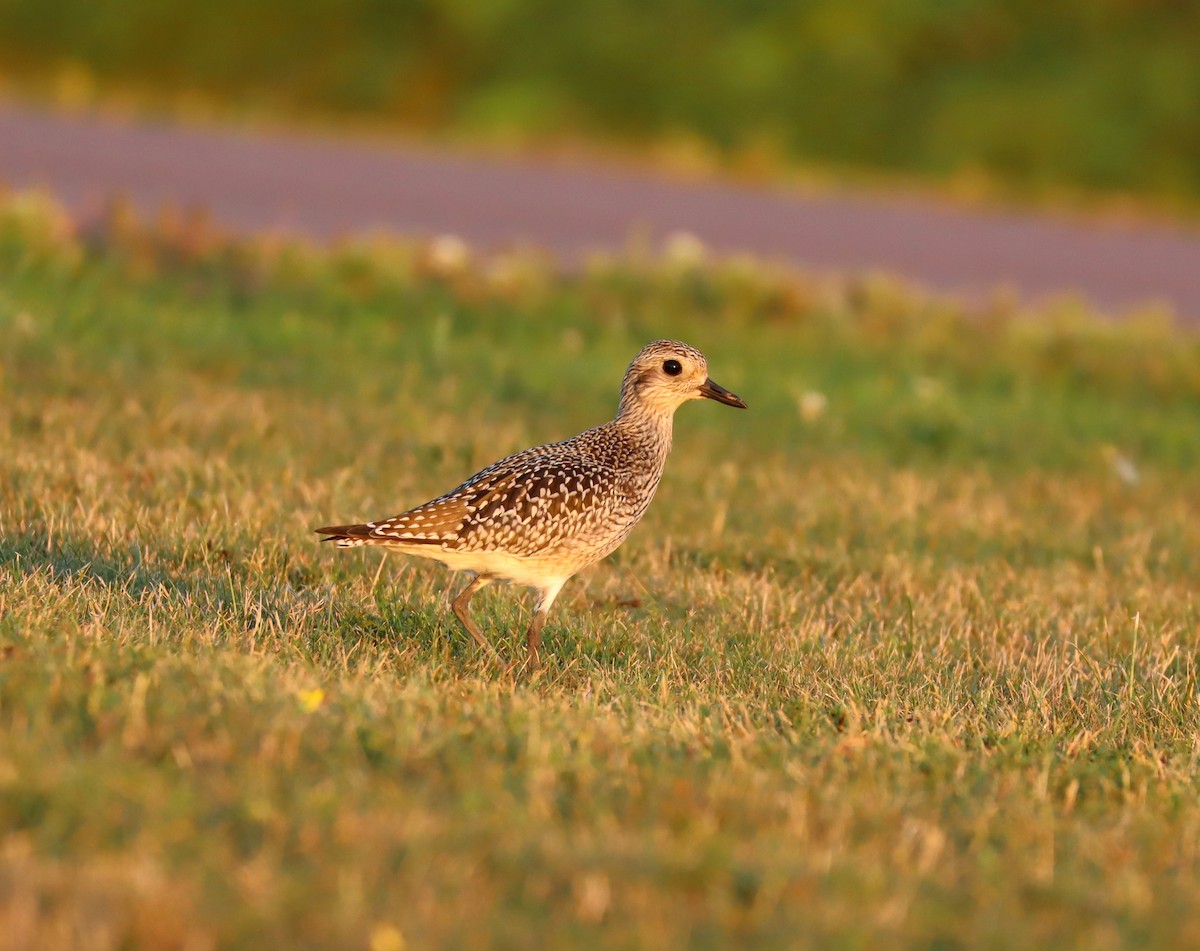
{"points": [[533, 641], [533, 638], [460, 611]]}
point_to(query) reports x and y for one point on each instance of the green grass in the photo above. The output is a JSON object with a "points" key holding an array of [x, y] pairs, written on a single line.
{"points": [[911, 666]]}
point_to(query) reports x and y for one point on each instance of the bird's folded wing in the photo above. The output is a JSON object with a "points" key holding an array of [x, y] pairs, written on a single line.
{"points": [[441, 520], [524, 507]]}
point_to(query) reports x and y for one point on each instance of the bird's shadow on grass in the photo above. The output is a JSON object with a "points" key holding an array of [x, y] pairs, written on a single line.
{"points": [[208, 584], [385, 624], [71, 559], [426, 629]]}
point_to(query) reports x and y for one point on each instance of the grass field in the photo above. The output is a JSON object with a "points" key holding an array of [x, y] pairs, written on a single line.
{"points": [[904, 656]]}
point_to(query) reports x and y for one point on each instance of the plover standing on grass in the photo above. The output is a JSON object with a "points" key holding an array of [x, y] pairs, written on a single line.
{"points": [[537, 517]]}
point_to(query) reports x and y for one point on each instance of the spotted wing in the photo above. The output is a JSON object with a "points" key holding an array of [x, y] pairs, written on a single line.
{"points": [[541, 500], [443, 520], [552, 502]]}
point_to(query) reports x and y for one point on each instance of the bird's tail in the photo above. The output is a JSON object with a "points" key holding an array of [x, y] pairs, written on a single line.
{"points": [[348, 536]]}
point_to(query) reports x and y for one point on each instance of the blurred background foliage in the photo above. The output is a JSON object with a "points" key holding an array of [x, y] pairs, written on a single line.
{"points": [[1084, 94]]}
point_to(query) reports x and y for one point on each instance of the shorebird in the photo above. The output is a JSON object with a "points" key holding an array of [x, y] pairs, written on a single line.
{"points": [[537, 517]]}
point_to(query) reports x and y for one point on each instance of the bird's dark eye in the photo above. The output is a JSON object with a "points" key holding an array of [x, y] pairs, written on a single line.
{"points": [[672, 367]]}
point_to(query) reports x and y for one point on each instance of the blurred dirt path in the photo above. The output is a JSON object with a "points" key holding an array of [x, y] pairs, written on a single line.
{"points": [[325, 187]]}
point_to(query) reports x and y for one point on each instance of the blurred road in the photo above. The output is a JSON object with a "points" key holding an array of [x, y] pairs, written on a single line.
{"points": [[325, 187]]}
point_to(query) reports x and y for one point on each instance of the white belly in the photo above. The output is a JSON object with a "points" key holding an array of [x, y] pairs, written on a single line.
{"points": [[527, 572]]}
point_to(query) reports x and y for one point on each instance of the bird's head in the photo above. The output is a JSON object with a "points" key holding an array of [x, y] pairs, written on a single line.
{"points": [[666, 374]]}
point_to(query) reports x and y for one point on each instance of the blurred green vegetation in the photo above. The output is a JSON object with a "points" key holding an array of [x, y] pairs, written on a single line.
{"points": [[1091, 94]]}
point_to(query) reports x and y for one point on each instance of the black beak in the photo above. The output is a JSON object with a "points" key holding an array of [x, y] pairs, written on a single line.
{"points": [[714, 391]]}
